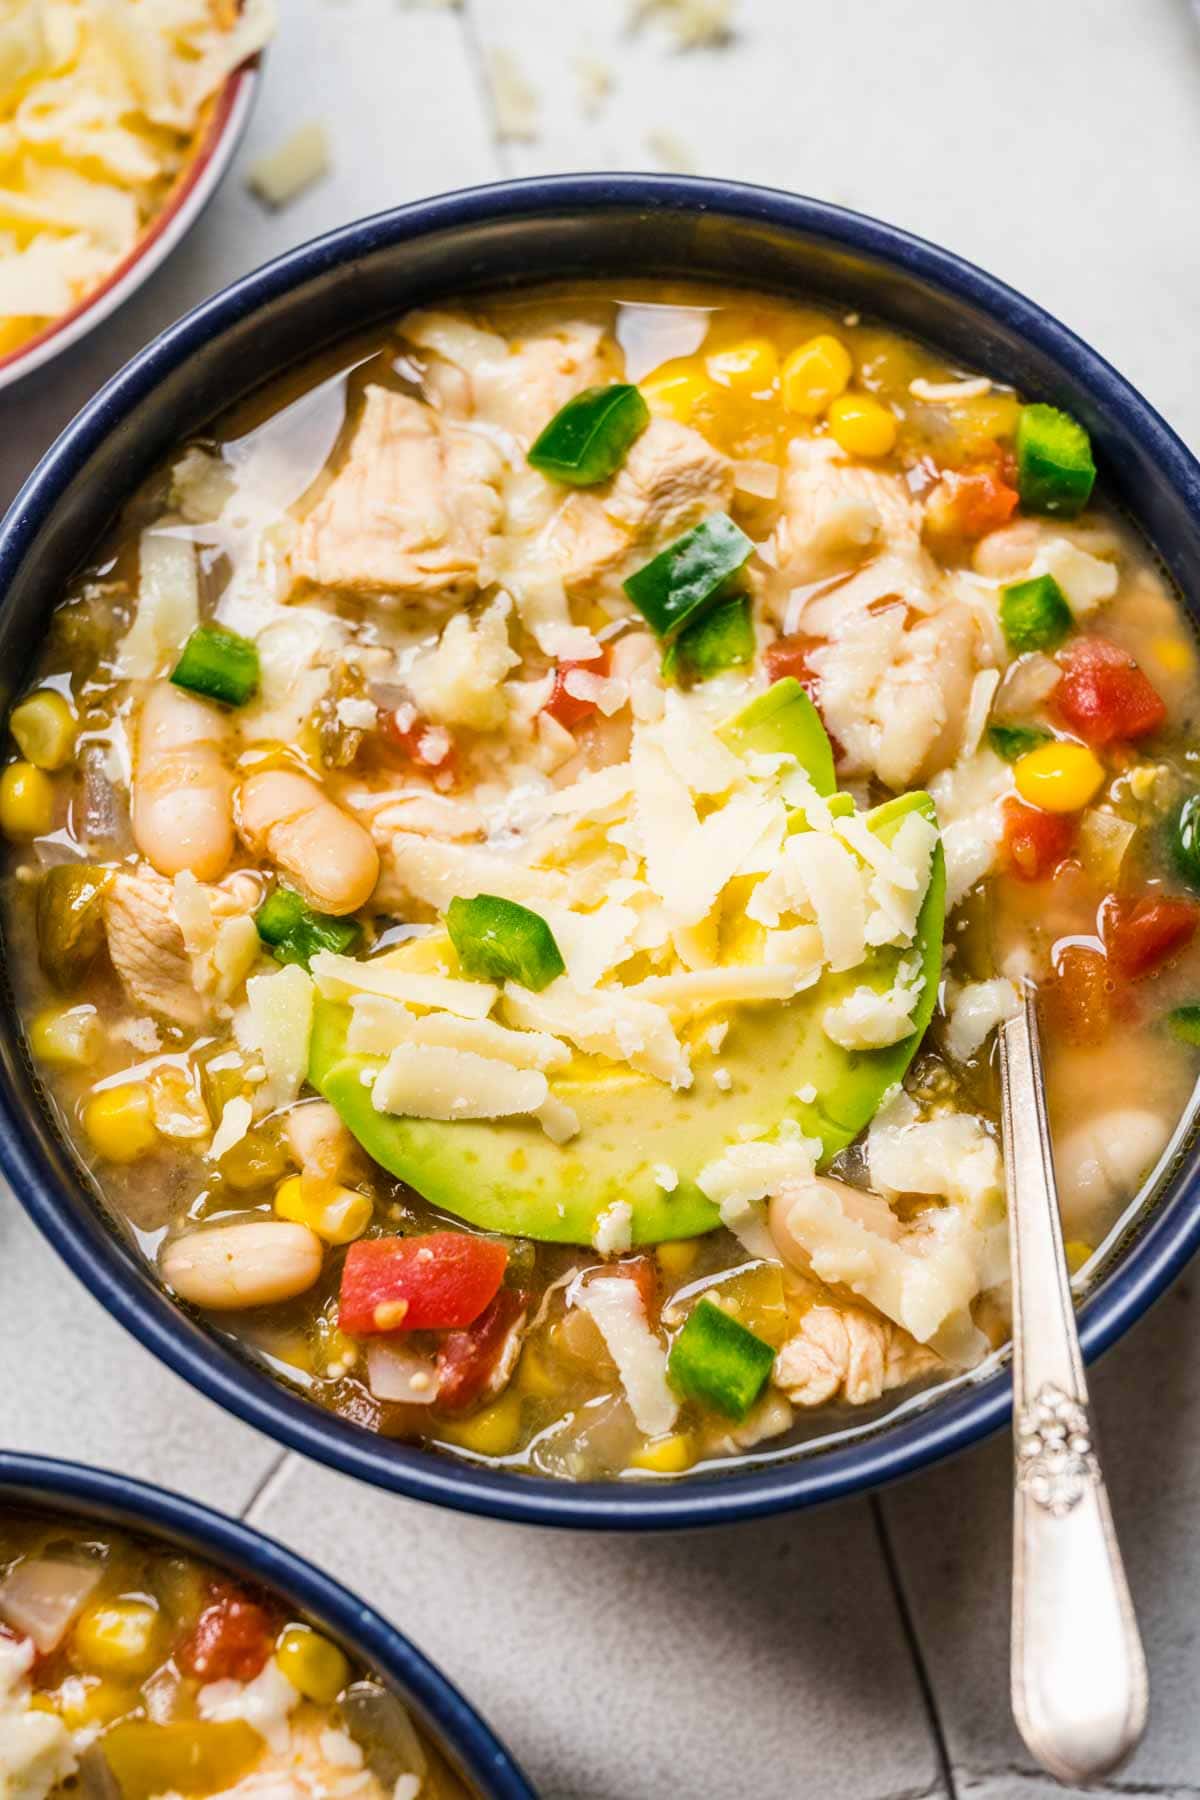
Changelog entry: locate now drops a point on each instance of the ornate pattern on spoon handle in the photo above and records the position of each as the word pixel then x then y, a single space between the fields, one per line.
pixel 1078 1673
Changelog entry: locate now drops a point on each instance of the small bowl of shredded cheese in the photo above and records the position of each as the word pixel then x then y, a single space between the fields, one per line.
pixel 118 119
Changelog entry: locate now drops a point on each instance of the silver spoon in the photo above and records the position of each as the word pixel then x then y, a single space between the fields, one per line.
pixel 1079 1692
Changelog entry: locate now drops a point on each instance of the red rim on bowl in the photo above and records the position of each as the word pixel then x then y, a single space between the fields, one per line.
pixel 198 182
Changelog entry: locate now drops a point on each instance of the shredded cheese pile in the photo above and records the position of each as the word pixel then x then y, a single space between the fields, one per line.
pixel 100 105
pixel 633 868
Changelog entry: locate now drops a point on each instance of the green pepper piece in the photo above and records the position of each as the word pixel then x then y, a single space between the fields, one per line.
pixel 718 1362
pixel 1184 834
pixel 1184 1023
pixel 1055 469
pixel 722 639
pixel 70 920
pixel 500 940
pixel 1034 614
pixel 1012 741
pixel 295 932
pixel 672 589
pixel 589 438
pixel 218 665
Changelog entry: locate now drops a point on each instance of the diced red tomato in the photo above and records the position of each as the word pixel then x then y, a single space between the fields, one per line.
pixel 1142 935
pixel 970 502
pixel 1036 841
pixel 440 1280
pixel 1103 695
pixel 572 709
pixel 429 746
pixel 230 1641
pixel 471 1359
pixel 1079 998
pixel 789 656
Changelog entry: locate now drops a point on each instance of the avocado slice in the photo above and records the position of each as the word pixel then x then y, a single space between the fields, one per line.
pixel 506 1175
pixel 785 719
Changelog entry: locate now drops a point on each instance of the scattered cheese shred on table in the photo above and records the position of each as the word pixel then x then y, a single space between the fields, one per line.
pixel 285 172
pixel 514 101
pixel 101 107
pixel 694 24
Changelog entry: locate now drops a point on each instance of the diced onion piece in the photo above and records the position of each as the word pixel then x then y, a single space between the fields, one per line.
pixel 400 1375
pixel 754 477
pixel 42 1598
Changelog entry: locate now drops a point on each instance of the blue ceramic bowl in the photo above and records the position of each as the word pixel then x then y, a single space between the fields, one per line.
pixel 75 1491
pixel 505 236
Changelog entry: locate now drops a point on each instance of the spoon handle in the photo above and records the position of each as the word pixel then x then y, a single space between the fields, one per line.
pixel 1079 1690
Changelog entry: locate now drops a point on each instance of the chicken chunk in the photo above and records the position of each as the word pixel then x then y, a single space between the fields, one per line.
pixel 895 693
pixel 411 510
pixel 836 512
pixel 146 943
pixel 671 479
pixel 849 1353
pixel 473 373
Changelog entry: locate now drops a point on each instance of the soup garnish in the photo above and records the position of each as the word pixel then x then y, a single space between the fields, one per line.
pixel 132 1672
pixel 524 834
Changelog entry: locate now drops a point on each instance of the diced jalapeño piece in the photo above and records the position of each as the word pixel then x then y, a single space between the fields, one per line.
pixel 1014 741
pixel 1034 614
pixel 589 438
pixel 500 940
pixel 1055 470
pixel 1184 832
pixel 295 932
pixel 717 1362
pixel 219 665
pixel 1184 1023
pixel 721 639
pixel 675 587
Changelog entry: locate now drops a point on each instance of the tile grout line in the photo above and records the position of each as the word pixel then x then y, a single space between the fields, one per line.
pixel 912 1640
pixel 277 1470
pixel 477 59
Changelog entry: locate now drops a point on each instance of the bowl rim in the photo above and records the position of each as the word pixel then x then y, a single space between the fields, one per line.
pixel 158 1512
pixel 905 1442
pixel 202 175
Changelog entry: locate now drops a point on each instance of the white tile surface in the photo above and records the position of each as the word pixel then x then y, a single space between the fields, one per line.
pixel 1058 145
pixel 75 1384
pixel 766 1662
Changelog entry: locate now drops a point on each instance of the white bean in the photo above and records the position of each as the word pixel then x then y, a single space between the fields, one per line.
pixel 1101 1162
pixel 182 788
pixel 329 855
pixel 227 1267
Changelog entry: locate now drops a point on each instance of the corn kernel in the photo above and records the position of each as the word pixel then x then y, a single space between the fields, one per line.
pixel 535 1375
pixel 664 1455
pixel 69 1037
pixel 862 426
pixel 496 1431
pixel 676 1258
pixel 677 393
pixel 312 1664
pixel 26 801
pixel 814 374
pixel 118 1637
pixel 1077 1253
pixel 1174 655
pixel 44 727
pixel 337 1214
pixel 748 367
pixel 120 1122
pixel 1060 778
